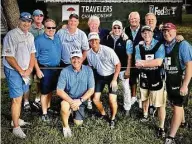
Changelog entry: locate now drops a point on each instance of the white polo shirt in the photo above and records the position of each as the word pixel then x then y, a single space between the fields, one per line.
pixel 104 61
pixel 72 42
pixel 20 46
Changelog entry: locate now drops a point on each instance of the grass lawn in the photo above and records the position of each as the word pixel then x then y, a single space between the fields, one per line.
pixel 94 131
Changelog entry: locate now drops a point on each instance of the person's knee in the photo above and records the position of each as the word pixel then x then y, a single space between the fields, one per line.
pixel 96 98
pixel 78 122
pixel 17 100
pixel 65 107
pixel 112 98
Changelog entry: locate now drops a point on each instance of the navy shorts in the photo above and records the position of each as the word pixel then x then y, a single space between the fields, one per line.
pixel 100 82
pixel 48 83
pixel 80 113
pixel 177 99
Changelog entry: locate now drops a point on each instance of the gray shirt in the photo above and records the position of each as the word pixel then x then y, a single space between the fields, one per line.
pixel 71 42
pixel 20 46
pixel 104 61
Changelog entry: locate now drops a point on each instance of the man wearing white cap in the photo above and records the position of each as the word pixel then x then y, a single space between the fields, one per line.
pixel 76 84
pixel 121 46
pixel 107 67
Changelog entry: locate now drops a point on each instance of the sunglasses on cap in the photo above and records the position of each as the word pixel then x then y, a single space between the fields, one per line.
pixel 73 15
pixel 116 27
pixel 50 27
pixel 75 52
pixel 39 15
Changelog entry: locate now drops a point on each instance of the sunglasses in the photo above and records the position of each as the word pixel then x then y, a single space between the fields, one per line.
pixel 50 27
pixel 116 27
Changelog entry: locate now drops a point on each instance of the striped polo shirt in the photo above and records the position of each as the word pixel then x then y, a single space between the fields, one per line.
pixel 20 46
pixel 72 42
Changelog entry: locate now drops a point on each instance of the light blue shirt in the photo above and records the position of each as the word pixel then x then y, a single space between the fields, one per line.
pixel 48 50
pixel 129 47
pixel 185 51
pixel 134 32
pixel 72 42
pixel 74 83
pixel 160 53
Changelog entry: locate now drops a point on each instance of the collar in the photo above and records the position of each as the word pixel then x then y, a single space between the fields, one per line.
pixel 46 36
pixel 21 32
pixel 171 44
pixel 35 26
pixel 82 67
pixel 153 42
pixel 99 51
pixel 137 29
pixel 75 33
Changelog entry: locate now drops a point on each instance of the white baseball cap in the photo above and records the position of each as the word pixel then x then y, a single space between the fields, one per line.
pixel 93 35
pixel 76 53
pixel 117 22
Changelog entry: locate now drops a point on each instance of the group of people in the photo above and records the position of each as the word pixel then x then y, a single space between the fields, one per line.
pixel 156 57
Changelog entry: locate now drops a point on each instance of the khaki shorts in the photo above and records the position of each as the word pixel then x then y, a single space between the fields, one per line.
pixel 157 98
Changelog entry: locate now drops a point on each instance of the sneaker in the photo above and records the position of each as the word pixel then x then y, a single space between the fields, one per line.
pixel 18 132
pixel 21 123
pixel 133 100
pixel 103 117
pixel 89 105
pixel 27 107
pixel 45 118
pixel 51 111
pixel 170 140
pixel 67 132
pixel 161 133
pixel 144 119
pixel 112 124
pixel 37 105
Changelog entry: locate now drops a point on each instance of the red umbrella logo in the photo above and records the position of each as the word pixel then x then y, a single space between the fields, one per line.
pixel 71 9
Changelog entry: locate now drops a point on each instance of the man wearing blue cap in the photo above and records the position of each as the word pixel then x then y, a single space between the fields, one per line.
pixel 18 60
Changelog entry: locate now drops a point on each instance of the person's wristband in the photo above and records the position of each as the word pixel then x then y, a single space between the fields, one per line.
pixel 30 69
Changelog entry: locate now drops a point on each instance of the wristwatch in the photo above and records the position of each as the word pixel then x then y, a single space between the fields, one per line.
pixel 82 100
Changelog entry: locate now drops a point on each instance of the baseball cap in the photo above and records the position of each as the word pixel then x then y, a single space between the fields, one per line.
pixel 25 16
pixel 37 12
pixel 76 53
pixel 93 35
pixel 146 27
pixel 117 22
pixel 73 15
pixel 168 26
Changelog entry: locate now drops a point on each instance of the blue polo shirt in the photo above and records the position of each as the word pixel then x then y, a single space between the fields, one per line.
pixel 74 83
pixel 48 50
pixel 185 51
pixel 160 53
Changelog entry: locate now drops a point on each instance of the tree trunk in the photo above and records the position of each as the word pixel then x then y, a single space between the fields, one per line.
pixel 12 13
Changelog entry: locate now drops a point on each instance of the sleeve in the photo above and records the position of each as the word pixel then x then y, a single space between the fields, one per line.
pixel 61 84
pixel 91 80
pixel 137 53
pixel 37 47
pixel 185 51
pixel 160 52
pixel 85 44
pixel 129 47
pixel 114 57
pixel 8 46
pixel 33 49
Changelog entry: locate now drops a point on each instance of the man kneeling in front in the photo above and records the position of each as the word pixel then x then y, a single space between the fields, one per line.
pixel 76 84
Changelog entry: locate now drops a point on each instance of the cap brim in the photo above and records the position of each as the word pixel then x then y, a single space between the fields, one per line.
pixel 25 19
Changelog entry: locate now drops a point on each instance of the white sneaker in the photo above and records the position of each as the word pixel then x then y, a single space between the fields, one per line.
pixel 21 123
pixel 133 100
pixel 67 132
pixel 18 132
pixel 89 105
